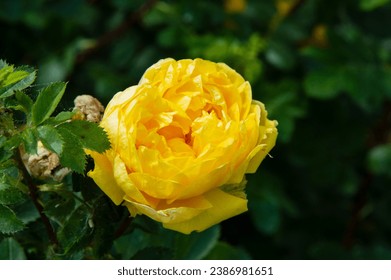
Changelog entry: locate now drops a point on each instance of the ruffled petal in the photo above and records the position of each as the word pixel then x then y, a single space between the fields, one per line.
pixel 177 212
pixel 224 206
pixel 104 177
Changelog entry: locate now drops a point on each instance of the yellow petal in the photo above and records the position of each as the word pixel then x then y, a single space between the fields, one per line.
pixel 122 179
pixel 224 206
pixel 177 213
pixel 154 186
pixel 104 177
pixel 262 150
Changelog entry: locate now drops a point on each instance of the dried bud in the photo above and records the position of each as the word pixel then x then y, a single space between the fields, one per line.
pixel 89 108
pixel 44 165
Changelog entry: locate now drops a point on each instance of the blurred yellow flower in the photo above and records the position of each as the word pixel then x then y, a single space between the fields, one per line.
pixel 182 141
pixel 285 6
pixel 235 6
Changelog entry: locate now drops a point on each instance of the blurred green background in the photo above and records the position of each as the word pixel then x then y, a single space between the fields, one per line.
pixel 322 68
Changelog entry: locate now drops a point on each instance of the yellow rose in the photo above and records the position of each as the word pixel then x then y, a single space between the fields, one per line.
pixel 182 141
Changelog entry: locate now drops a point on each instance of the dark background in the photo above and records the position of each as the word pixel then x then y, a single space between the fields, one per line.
pixel 322 68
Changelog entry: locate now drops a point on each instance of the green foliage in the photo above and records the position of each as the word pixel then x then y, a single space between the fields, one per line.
pixel 47 101
pixel 12 79
pixel 368 5
pixel 224 251
pixel 89 134
pixel 322 68
pixel 22 199
pixel 10 249
pixel 163 244
pixel 9 223
pixel 379 159
pixel 75 229
pixel 196 245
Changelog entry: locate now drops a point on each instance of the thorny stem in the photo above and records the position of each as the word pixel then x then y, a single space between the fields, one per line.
pixel 122 228
pixel 33 190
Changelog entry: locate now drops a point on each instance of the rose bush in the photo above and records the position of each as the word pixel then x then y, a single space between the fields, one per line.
pixel 182 141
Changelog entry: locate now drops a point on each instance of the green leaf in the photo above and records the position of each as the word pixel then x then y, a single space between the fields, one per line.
pixel 5 71
pixel 17 80
pixel 369 5
pixel 50 138
pixel 10 249
pixel 91 135
pixel 224 251
pixel 267 202
pixel 63 116
pixel 7 147
pixel 3 64
pixel 379 159
pixel 196 245
pixel 59 207
pixel 24 101
pixel 26 211
pixel 10 194
pixel 280 55
pixel 324 84
pixel 47 102
pixel 30 140
pixel 285 105
pixel 266 216
pixel 72 155
pixel 59 118
pixel 9 223
pixel 139 240
pixel 75 230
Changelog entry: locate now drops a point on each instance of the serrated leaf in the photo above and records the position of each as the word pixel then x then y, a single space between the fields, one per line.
pixel 24 101
pixel 91 135
pixel 50 138
pixel 30 140
pixel 7 147
pixel 10 249
pixel 72 155
pixel 12 142
pixel 17 80
pixel 4 72
pixel 9 223
pixel 10 194
pixel 47 102
pixel 196 245
pixel 59 118
pixel 63 116
pixel 59 208
pixel 76 229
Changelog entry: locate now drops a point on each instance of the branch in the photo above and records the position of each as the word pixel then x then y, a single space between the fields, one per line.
pixel 122 228
pixel 116 33
pixel 34 197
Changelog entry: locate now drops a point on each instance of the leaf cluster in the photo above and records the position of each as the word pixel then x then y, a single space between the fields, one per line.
pixel 24 123
pixel 322 68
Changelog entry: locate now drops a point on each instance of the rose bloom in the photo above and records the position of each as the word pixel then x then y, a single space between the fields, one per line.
pixel 182 141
